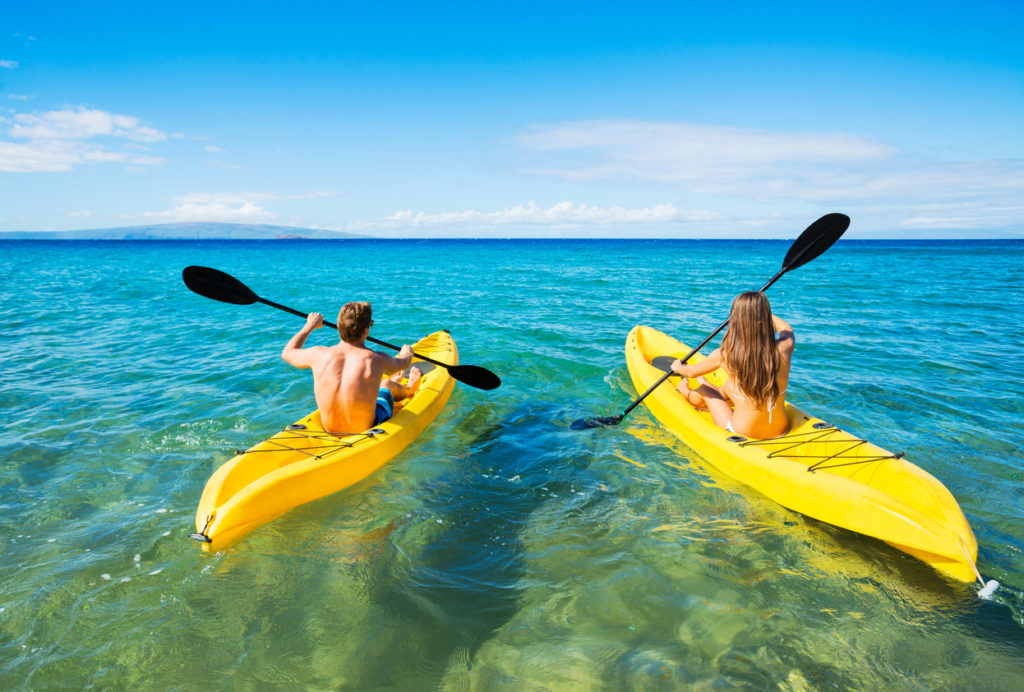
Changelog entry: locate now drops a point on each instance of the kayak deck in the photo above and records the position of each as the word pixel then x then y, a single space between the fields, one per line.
pixel 816 468
pixel 304 462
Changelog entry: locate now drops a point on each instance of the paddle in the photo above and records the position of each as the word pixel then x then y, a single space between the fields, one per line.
pixel 217 285
pixel 817 238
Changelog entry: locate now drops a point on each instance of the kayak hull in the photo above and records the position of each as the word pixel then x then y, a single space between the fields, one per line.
pixel 304 462
pixel 816 468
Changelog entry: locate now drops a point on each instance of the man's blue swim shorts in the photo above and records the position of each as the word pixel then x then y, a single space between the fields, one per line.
pixel 385 406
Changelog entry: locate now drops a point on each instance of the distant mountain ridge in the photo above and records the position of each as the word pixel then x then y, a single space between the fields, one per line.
pixel 184 231
pixel 239 231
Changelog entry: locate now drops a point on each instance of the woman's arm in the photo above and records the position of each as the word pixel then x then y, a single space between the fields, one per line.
pixel 787 338
pixel 709 364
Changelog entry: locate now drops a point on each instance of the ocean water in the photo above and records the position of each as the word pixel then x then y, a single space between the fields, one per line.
pixel 502 550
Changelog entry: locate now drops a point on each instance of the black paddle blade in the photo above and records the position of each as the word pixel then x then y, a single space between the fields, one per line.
pixel 818 237
pixel 599 422
pixel 211 283
pixel 475 376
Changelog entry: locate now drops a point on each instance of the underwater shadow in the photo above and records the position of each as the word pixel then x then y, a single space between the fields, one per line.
pixel 464 582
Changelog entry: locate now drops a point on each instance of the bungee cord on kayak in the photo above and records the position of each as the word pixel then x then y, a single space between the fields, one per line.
pixel 818 436
pixel 319 435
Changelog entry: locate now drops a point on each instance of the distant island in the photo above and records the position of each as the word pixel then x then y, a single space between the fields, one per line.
pixel 184 231
pixel 240 231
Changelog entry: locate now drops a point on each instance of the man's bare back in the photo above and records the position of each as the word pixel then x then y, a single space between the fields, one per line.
pixel 347 377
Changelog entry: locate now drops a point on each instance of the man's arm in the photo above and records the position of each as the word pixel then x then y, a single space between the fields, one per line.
pixel 293 352
pixel 399 362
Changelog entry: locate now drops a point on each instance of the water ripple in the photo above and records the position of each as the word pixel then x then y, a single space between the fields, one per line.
pixel 502 550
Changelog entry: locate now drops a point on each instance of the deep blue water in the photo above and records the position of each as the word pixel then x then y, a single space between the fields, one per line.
pixel 502 549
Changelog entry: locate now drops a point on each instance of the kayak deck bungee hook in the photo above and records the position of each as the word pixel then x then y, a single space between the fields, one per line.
pixel 334 439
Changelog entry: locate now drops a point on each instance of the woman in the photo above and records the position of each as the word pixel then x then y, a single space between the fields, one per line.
pixel 752 401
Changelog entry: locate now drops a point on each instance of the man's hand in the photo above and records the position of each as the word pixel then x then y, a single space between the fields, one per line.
pixel 314 321
pixel 404 358
pixel 293 352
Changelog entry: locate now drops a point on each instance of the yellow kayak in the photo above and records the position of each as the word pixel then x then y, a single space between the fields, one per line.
pixel 304 462
pixel 816 468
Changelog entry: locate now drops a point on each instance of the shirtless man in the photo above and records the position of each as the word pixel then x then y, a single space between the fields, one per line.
pixel 347 376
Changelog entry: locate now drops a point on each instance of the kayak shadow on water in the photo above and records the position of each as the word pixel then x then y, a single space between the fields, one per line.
pixel 456 575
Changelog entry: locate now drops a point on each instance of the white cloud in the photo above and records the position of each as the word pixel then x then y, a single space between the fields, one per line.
pixel 23 158
pixel 62 156
pixel 248 212
pixel 9 64
pixel 940 222
pixel 243 197
pixel 561 215
pixel 81 123
pixel 689 153
pixel 61 140
pixel 681 146
pixel 779 168
pixel 80 214
pixel 232 207
pixel 17 97
pixel 967 216
pixel 211 148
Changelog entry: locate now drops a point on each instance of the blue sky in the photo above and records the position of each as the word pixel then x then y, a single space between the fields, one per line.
pixel 522 119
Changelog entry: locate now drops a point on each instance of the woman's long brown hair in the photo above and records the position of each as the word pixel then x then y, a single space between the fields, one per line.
pixel 750 354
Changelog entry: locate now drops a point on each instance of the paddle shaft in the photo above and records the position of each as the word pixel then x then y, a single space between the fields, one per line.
pixel 334 326
pixel 702 344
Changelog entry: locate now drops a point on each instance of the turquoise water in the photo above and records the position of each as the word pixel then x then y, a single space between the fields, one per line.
pixel 502 550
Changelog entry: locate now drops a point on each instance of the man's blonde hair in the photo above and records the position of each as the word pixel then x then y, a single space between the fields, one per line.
pixel 353 321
